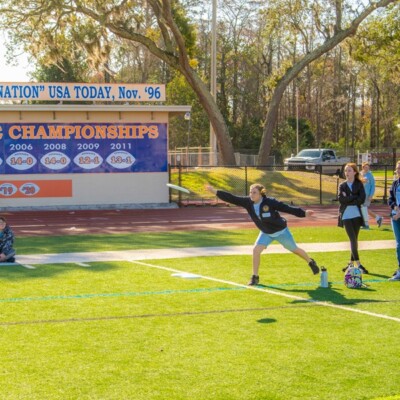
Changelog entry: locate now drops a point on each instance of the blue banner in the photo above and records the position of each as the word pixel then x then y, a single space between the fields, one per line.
pixel 41 148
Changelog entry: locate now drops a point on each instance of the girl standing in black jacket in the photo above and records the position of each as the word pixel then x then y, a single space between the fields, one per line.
pixel 351 197
pixel 264 211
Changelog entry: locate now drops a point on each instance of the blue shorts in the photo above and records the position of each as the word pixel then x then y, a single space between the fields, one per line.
pixel 285 238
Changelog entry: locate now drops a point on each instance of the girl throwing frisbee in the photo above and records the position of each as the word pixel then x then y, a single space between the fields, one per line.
pixel 264 211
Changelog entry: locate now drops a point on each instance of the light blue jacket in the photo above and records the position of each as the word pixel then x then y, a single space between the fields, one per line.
pixel 369 184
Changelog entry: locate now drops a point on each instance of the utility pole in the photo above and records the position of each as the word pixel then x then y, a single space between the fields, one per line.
pixel 213 80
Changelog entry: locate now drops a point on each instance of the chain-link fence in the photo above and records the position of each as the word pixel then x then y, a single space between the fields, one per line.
pixel 295 187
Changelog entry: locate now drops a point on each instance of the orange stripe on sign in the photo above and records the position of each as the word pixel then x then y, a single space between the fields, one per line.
pixel 35 188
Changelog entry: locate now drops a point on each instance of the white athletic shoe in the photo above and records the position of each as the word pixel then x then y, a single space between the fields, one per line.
pixel 396 276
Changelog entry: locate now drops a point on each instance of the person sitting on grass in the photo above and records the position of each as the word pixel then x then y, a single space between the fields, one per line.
pixel 7 251
pixel 264 211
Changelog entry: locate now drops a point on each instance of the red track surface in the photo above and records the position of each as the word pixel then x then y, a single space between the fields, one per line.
pixel 45 223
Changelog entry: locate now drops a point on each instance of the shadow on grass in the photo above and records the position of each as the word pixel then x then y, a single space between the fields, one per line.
pixel 377 275
pixel 331 295
pixel 19 273
pixel 266 320
pixel 135 241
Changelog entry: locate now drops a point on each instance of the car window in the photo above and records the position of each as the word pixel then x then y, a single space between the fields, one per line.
pixel 309 153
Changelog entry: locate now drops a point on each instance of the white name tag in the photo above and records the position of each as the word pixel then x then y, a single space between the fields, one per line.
pixel 266 215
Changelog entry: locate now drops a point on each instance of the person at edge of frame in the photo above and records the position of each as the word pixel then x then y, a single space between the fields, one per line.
pixel 394 204
pixel 7 251
pixel 264 211
pixel 351 195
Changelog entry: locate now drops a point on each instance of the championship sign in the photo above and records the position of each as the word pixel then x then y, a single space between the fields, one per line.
pixel 82 92
pixel 40 148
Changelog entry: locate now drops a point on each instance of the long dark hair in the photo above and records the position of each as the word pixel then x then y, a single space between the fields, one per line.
pixel 355 169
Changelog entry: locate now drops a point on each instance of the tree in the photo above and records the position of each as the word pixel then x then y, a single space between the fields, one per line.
pixel 377 51
pixel 333 29
pixel 65 71
pixel 172 41
pixel 192 132
pixel 259 59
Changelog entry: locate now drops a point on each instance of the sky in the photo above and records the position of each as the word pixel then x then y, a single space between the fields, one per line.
pixel 18 71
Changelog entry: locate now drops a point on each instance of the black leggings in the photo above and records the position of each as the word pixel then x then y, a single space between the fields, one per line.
pixel 352 227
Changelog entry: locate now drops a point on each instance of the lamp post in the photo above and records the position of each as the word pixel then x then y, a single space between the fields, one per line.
pixel 213 80
pixel 189 119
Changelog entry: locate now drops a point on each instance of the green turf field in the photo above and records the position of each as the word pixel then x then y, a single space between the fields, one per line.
pixel 132 330
pixel 179 239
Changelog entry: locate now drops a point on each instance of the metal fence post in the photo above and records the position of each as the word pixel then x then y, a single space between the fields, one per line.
pixel 320 184
pixel 386 185
pixel 169 181
pixel 180 183
pixel 245 180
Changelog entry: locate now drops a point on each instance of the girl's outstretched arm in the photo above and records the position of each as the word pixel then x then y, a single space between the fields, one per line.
pixel 210 188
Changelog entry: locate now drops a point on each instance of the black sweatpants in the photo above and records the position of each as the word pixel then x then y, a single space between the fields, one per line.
pixel 352 227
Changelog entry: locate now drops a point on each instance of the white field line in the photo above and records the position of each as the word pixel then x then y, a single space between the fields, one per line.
pixel 260 289
pixel 27 266
pixel 81 264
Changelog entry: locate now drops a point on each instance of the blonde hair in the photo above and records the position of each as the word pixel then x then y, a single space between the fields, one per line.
pixel 260 188
pixel 364 164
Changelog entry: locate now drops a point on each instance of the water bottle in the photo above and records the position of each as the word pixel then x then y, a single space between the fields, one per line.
pixel 324 278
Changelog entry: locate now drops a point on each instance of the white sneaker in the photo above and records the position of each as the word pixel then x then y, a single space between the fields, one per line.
pixel 396 276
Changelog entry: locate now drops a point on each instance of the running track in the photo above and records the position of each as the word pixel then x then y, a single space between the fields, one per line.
pixel 45 223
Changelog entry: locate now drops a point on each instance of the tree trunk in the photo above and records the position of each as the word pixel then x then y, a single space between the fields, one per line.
pixel 272 117
pixel 214 114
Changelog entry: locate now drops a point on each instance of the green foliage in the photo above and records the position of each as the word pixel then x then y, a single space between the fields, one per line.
pixel 285 141
pixel 378 42
pixel 65 71
pixel 184 133
pixel 248 135
pixel 330 145
pixel 185 26
pixel 306 136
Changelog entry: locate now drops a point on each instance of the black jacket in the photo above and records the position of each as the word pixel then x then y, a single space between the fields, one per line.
pixel 269 221
pixel 354 197
pixel 392 194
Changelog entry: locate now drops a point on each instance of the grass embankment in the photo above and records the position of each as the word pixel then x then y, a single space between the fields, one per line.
pixel 296 186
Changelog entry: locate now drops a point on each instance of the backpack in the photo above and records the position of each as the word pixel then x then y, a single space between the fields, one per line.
pixel 353 278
